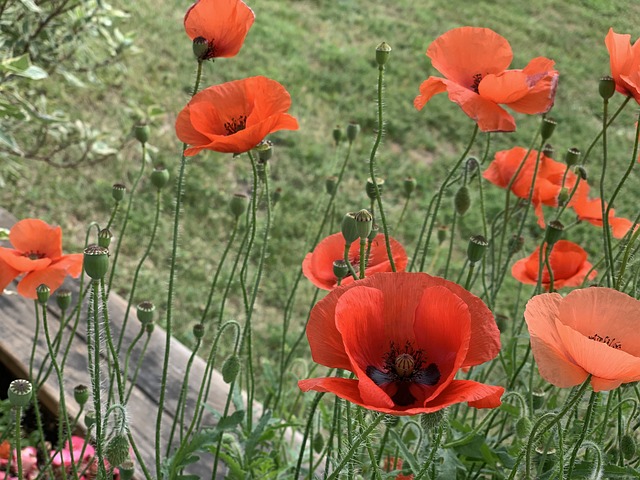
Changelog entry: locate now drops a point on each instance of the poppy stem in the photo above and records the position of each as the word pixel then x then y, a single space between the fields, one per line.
pixel 352 272
pixel 363 248
pixel 18 421
pixel 585 428
pixel 432 454
pixel 606 233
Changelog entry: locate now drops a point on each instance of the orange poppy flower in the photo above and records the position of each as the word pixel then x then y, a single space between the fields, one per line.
pixel 38 255
pixel 404 336
pixel 590 331
pixel 624 59
pixel 235 116
pixel 548 179
pixel 568 263
pixel 591 211
pixel 474 61
pixel 317 266
pixel 395 463
pixel 222 23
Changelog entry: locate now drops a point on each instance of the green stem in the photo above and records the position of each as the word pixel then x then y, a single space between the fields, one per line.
pixel 363 246
pixel 583 434
pixel 305 437
pixel 18 420
pixel 606 233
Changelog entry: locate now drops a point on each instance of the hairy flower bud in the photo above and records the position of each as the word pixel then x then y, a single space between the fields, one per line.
pixel 462 200
pixel 349 228
pixel 230 369
pixel 117 450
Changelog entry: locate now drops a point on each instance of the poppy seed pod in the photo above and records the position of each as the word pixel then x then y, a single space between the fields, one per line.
pixel 462 200
pixel 548 126
pixel 117 191
pixel 265 150
pixel 606 87
pixel 337 135
pixel 149 327
pixel 230 369
pixel 20 392
pixel 349 228
pixel 238 204
pixel 429 421
pixel 117 450
pixel 126 470
pixel 90 419
pixel 582 172
pixel 553 232
pixel 371 188
pixel 375 230
pixel 43 292
pixel 104 238
pixel 200 48
pixel 538 398
pixel 409 185
pixel 352 131
pixel 340 269
pixel 383 51
pixel 63 298
pixel 364 223
pixel 572 157
pixel 563 197
pixel 144 311
pixel 442 234
pixel 141 132
pixel 330 184
pixel 548 150
pixel 472 165
pixel 159 177
pixel 198 330
pixel 476 248
pixel 96 261
pixel 81 394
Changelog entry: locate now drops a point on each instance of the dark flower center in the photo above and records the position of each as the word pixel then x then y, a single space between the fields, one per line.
pixel 235 125
pixel 403 367
pixel 477 78
pixel 34 255
pixel 607 340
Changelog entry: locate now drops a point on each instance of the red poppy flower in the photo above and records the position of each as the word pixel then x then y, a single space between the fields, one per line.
pixel 568 263
pixel 222 23
pixel 235 116
pixel 394 463
pixel 591 211
pixel 474 61
pixel 590 331
pixel 548 179
pixel 37 254
pixel 624 59
pixel 318 265
pixel 404 336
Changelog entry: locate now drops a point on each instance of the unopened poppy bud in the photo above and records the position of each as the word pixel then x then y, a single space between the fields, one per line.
pixel 337 135
pixel 442 234
pixel 238 204
pixel 89 419
pixel 563 197
pixel 276 195
pixel 409 185
pixel 104 238
pixel 548 126
pixel 548 150
pixel 230 368
pixel 382 53
pixel 200 48
pixel 375 229
pixel 126 469
pixel 607 87
pixel 429 421
pixel 145 311
pixel 20 392
pixel 141 132
pixel 572 157
pixel 117 450
pixel 198 330
pixel 476 248
pixel 81 394
pixel 159 177
pixel 364 223
pixel 462 200
pixel 265 150
pixel 149 327
pixel 516 243
pixel 330 184
pixel 582 172
pixel 352 131
pixel 96 261
pixel 117 191
pixel 63 298
pixel 318 443
pixel 371 188
pixel 553 232
pixel 523 427
pixel 349 228
pixel 43 292
pixel 628 446
pixel 340 269
pixel 538 398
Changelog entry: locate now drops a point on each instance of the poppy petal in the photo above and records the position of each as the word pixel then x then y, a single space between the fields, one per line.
pixel 72 263
pixel 32 235
pixel 489 116
pixel 477 395
pixel 7 274
pixel 17 260
pixel 504 87
pixel 52 277
pixel 430 87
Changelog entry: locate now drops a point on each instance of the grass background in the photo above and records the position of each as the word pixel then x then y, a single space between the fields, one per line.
pixel 323 52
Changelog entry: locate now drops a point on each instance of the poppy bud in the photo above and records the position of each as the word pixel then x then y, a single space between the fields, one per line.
pixel 81 394
pixel 198 330
pixel 276 195
pixel 371 188
pixel 581 171
pixel 515 244
pixel 149 327
pixel 364 223
pixel 548 150
pixel 330 184
pixel 607 87
pixel 375 229
pixel 63 298
pixel 96 261
pixel 442 234
pixel 548 126
pixel 523 427
pixel 318 443
pixel 90 419
pixel 141 133
pixel 382 53
pixel 409 185
pixel 563 197
pixel 159 177
pixel 20 392
pixel 144 311
pixel 476 248
pixel 43 293
pixel 337 135
pixel 104 238
pixel 230 369
pixel 200 48
pixel 572 157
pixel 628 446
pixel 340 269
pixel 430 421
pixel 462 200
pixel 265 150
pixel 117 450
pixel 349 229
pixel 352 131
pixel 553 232
pixel 238 204
pixel 117 191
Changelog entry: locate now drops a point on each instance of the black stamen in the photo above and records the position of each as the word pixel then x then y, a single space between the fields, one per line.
pixel 234 125
pixel 477 78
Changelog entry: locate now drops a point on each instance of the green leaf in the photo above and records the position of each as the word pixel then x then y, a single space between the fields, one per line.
pixel 231 421
pixel 255 436
pixel 7 140
pixel 101 148
pixel 29 4
pixel 22 67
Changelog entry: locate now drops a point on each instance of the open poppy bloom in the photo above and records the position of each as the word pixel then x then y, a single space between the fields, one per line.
pixel 77 445
pixel 37 254
pixel 234 117
pixel 404 336
pixel 568 263
pixel 548 182
pixel 222 23
pixel 590 331
pixel 474 62
pixel 318 265
pixel 624 59
pixel 591 211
